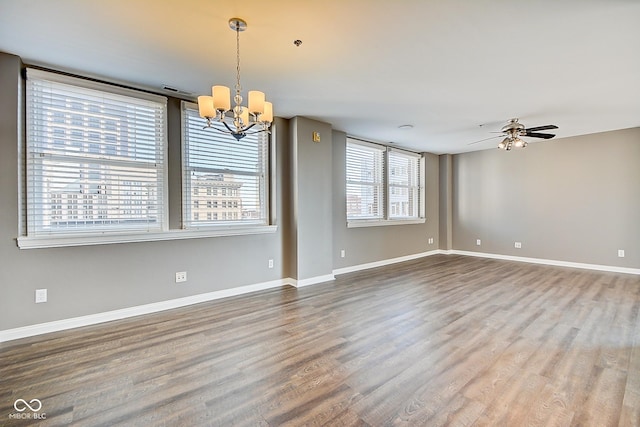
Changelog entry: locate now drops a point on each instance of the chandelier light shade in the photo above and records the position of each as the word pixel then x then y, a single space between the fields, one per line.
pixel 256 117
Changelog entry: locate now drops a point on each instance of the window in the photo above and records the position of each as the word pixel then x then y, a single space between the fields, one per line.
pixel 365 171
pixel 403 184
pixel 85 178
pixel 215 160
pixel 384 185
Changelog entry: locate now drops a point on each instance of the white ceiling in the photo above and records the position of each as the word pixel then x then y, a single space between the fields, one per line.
pixel 454 69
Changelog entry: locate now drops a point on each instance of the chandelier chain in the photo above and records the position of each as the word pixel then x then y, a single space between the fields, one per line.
pixel 238 87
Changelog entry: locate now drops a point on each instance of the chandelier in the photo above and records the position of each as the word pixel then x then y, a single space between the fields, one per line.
pixel 254 118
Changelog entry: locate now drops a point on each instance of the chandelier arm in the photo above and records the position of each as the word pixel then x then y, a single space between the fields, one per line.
pixel 227 126
pixel 259 131
pixel 248 127
pixel 237 135
pixel 221 130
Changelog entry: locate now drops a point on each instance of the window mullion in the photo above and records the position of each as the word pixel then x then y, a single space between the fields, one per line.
pixel 386 184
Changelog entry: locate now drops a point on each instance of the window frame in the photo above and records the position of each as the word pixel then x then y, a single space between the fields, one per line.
pixel 238 227
pixel 376 183
pixel 416 187
pixel 387 219
pixel 30 237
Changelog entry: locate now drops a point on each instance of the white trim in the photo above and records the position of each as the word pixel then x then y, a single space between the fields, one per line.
pixel 290 282
pixel 310 281
pixel 403 151
pixel 38 242
pixel 357 223
pixel 368 144
pixel 108 316
pixel 385 262
pixel 92 319
pixel 422 189
pixel 263 143
pixel 34 73
pixel 598 267
pixel 39 84
pixel 313 280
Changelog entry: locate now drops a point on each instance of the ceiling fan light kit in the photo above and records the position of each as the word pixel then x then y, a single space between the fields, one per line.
pixel 257 116
pixel 509 142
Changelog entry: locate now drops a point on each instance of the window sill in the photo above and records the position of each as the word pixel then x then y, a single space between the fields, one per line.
pixel 25 242
pixel 379 223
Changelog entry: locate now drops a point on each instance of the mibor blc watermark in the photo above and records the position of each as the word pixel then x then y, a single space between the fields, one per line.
pixel 23 407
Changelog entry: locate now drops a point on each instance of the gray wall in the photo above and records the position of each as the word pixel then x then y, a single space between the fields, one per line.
pixel 9 142
pixel 369 244
pixel 446 202
pixel 573 199
pixel 311 198
pixel 283 212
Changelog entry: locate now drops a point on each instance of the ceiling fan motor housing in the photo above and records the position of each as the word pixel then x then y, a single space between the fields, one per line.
pixel 512 127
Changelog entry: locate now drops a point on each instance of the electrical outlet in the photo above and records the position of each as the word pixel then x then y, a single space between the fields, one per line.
pixel 343 253
pixel 41 295
pixel 270 263
pixel 181 276
pixel 478 242
pixel 621 253
pixel 431 240
pixel 518 245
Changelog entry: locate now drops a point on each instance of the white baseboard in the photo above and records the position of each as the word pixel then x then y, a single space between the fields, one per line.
pixel 310 281
pixel 598 267
pixel 384 262
pixel 92 319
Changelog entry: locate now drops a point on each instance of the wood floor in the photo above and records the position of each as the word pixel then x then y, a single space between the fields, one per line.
pixel 444 340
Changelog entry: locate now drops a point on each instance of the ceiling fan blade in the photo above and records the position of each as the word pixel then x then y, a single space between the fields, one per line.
pixel 547 127
pixel 486 139
pixel 539 135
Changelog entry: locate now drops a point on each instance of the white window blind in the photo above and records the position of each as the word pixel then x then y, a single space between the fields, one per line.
pixel 365 180
pixel 95 157
pixel 404 184
pixel 225 181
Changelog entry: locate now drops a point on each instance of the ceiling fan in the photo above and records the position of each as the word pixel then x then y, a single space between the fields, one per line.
pixel 514 130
